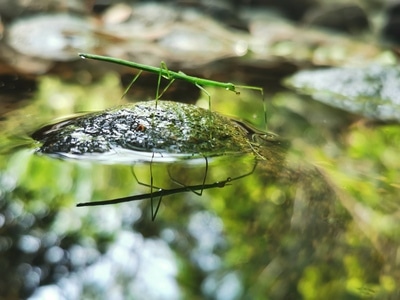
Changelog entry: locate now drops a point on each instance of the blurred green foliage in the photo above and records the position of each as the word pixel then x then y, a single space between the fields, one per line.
pixel 316 220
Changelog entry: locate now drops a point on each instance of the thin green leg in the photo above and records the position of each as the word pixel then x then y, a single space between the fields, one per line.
pixel 131 83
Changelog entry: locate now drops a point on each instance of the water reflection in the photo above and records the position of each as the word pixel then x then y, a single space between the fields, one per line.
pixel 289 230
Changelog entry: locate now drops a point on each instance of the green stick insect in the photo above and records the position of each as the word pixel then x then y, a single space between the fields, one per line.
pixel 171 76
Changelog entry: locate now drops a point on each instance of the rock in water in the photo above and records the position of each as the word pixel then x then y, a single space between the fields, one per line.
pixel 371 91
pixel 162 129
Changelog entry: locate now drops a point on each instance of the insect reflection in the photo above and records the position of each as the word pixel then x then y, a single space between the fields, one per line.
pixel 162 192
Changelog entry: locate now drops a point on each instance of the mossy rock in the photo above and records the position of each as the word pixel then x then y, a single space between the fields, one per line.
pixel 160 128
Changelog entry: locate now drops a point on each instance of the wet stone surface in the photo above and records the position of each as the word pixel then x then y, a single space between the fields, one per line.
pixel 371 91
pixel 170 127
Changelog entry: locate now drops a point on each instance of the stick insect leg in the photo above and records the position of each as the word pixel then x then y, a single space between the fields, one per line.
pixel 169 77
pixel 131 83
pixel 207 94
pixel 210 115
pixel 188 187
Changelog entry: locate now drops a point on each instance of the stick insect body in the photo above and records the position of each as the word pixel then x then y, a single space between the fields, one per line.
pixel 168 74
pixel 171 75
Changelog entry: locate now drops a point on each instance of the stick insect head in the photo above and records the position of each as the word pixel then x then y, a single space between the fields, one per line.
pixel 232 87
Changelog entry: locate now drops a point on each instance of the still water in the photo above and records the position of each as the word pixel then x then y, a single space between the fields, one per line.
pixel 316 218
